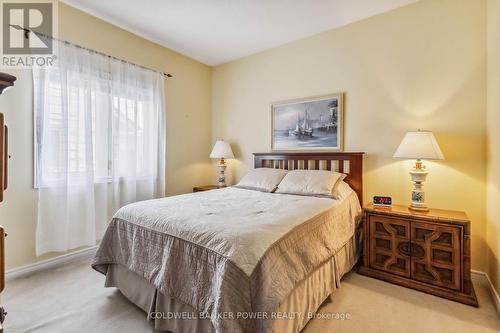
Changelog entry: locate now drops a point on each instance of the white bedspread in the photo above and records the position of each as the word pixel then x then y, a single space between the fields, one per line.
pixel 229 250
pixel 238 223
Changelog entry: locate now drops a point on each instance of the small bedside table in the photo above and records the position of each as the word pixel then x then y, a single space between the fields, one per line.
pixel 429 251
pixel 205 188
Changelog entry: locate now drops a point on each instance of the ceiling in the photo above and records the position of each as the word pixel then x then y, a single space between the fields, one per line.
pixel 218 31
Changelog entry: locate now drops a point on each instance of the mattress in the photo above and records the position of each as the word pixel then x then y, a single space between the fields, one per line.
pixel 230 250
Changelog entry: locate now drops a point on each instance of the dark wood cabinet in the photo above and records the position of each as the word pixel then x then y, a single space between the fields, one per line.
pixel 6 81
pixel 429 251
pixel 389 236
pixel 205 188
pixel 4 156
pixel 435 256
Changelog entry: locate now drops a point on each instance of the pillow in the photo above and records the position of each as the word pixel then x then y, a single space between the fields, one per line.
pixel 341 190
pixel 262 179
pixel 310 182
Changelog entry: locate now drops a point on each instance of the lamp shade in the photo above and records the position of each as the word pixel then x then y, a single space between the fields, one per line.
pixel 419 145
pixel 221 149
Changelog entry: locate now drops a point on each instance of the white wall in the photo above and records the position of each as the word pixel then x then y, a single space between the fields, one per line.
pixel 188 116
pixel 493 161
pixel 419 66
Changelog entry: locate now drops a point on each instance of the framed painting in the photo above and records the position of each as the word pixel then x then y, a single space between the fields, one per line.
pixel 309 124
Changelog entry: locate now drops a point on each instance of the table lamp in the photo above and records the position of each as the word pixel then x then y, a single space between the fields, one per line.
pixel 420 145
pixel 222 150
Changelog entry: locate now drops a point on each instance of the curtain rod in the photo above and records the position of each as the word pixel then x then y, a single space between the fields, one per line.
pixel 39 34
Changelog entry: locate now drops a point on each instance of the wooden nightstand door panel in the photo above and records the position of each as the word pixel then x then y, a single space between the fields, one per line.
pixel 390 245
pixel 435 254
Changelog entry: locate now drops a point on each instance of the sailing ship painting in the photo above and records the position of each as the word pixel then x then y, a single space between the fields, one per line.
pixel 308 124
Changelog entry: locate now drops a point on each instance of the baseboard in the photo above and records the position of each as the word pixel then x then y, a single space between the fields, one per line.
pixel 50 263
pixel 493 293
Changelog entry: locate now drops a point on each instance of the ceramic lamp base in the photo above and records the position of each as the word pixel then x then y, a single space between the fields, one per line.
pixel 221 180
pixel 417 194
pixel 419 209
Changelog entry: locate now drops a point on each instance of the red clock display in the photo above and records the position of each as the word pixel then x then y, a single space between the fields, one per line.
pixel 382 201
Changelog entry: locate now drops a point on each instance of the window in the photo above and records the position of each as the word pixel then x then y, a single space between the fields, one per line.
pixel 77 129
pixel 99 143
pixel 86 127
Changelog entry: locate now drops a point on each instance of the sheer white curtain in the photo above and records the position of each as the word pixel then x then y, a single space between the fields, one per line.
pixel 99 140
pixel 137 133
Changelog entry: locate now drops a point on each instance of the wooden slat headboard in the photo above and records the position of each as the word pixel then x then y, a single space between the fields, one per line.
pixel 348 163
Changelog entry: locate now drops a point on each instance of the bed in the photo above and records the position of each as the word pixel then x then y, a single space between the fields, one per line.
pixel 236 260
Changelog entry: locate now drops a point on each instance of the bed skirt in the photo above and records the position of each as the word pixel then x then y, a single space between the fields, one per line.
pixel 292 314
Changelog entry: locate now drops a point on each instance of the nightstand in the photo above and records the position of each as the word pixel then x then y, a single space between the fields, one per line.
pixel 428 251
pixel 205 188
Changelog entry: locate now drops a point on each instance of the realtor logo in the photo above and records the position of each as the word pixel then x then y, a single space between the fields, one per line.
pixel 28 28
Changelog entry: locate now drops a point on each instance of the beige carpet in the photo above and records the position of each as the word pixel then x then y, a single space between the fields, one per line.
pixel 72 299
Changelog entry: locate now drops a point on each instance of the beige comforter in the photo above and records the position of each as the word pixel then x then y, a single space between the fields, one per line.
pixel 228 253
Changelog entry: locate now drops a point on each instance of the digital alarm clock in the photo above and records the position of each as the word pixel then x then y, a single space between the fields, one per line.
pixel 380 201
